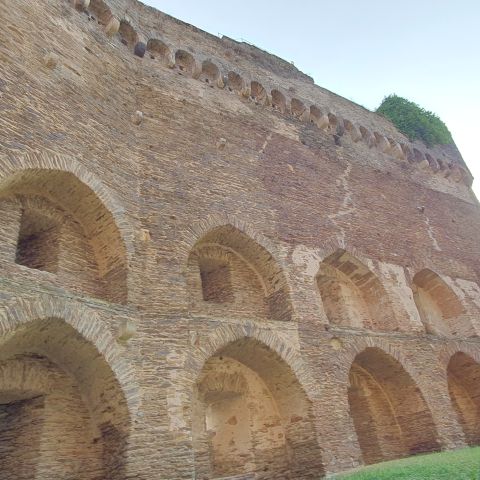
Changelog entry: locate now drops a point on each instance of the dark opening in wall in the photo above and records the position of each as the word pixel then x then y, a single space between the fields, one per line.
pixel 216 280
pixel 38 242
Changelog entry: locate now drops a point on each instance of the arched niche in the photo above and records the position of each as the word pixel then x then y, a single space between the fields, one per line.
pixel 352 295
pixel 279 101
pixel 128 35
pixel 185 63
pixel 210 73
pixel 390 415
pixel 251 416
pixel 258 94
pixel 298 108
pixel 159 50
pixel 235 82
pixel 463 375
pixel 56 223
pixel 101 11
pixel 63 413
pixel 230 273
pixel 438 305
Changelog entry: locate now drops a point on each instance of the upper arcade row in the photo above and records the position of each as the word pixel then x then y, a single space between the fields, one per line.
pixel 379 135
pixel 66 230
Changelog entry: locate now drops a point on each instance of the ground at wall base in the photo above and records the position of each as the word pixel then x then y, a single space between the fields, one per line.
pixel 457 465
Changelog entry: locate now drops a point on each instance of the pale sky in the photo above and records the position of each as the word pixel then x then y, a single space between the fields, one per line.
pixel 427 51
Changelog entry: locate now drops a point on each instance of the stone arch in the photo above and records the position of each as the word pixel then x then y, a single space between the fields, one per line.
pixel 438 305
pixel 352 294
pixel 158 49
pixel 128 34
pixel 185 63
pixel 352 129
pixel 275 437
pixel 333 122
pixel 390 415
pixel 367 136
pixel 231 271
pixel 101 11
pixel 227 334
pixel 210 74
pixel 62 379
pixel 68 187
pixel 463 374
pixel 235 82
pixel 318 118
pixel 298 108
pixel 279 101
pixel 258 93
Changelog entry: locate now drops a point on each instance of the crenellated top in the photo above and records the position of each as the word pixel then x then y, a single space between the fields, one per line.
pixel 269 85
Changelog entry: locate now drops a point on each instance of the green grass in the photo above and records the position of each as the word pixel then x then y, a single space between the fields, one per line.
pixel 457 465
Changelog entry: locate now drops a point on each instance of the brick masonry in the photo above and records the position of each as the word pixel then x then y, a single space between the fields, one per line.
pixel 213 268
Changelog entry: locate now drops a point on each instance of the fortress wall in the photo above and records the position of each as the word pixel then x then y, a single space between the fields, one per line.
pixel 178 181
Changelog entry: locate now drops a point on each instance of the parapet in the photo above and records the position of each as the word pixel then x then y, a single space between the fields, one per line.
pixel 267 81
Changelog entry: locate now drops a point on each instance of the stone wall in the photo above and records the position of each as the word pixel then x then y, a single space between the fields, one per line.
pixel 213 268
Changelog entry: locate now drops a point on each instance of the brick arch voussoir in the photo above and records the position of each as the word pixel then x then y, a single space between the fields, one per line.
pixel 11 165
pixel 331 246
pixel 417 265
pixel 200 228
pixel 449 350
pixel 359 345
pixel 221 337
pixel 85 321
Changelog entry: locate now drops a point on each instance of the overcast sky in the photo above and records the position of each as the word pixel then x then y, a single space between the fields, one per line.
pixel 427 51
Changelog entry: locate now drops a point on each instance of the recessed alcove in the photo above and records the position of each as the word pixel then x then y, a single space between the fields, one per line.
pixel 352 295
pixel 216 280
pixel 38 241
pixel 391 418
pixel 55 223
pixel 438 306
pixel 231 274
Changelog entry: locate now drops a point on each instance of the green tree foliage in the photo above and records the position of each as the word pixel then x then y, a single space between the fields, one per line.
pixel 414 121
